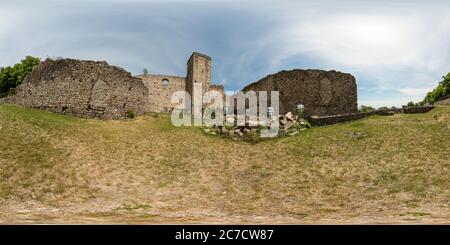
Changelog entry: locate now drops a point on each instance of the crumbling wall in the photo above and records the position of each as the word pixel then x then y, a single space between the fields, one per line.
pixel 83 88
pixel 445 100
pixel 341 118
pixel 218 88
pixel 322 93
pixel 161 88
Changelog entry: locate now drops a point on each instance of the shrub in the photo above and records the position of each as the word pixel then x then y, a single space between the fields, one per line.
pixel 130 114
pixel 364 108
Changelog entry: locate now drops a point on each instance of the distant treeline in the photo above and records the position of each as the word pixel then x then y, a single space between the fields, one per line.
pixel 11 77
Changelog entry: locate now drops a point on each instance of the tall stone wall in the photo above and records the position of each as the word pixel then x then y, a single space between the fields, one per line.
pixel 83 88
pixel 161 88
pixel 322 93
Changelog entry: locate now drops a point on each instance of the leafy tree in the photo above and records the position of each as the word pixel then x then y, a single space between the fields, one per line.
pixel 383 108
pixel 364 108
pixel 441 90
pixel 145 71
pixel 410 103
pixel 11 77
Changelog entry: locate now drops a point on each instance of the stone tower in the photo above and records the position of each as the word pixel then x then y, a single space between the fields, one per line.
pixel 198 72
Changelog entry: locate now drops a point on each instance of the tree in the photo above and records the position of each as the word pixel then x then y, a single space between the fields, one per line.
pixel 441 90
pixel 12 77
pixel 145 71
pixel 364 108
pixel 410 103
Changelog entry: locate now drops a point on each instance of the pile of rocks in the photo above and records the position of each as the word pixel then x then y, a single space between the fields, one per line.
pixel 292 125
pixel 288 125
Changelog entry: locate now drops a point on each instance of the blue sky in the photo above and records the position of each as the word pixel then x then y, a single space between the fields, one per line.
pixel 397 51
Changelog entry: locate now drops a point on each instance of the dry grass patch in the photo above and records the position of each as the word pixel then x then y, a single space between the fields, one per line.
pixel 370 169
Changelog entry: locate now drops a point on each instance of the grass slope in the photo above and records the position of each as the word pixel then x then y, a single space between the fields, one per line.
pixel 57 168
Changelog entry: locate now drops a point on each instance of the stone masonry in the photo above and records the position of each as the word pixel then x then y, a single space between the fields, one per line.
pixel 322 93
pixel 83 88
pixel 96 89
pixel 161 87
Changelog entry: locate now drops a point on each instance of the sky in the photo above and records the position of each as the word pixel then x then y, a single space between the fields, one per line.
pixel 397 51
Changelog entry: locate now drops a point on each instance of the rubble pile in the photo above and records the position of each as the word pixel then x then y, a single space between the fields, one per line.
pixel 288 125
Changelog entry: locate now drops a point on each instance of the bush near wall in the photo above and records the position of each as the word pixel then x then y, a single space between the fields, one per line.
pixel 12 77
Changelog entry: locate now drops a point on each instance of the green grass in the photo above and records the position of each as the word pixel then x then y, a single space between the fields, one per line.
pixel 382 166
pixel 31 165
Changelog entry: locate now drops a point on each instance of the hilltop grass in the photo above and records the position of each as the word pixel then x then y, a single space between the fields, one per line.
pixel 145 169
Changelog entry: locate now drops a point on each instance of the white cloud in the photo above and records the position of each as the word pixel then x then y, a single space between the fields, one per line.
pixel 366 39
pixel 394 49
pixel 359 40
pixel 389 102
pixel 415 91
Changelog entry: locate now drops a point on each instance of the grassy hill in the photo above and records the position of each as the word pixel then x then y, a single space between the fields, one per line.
pixel 57 168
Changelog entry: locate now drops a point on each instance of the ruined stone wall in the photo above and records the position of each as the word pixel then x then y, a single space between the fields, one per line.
pixel 161 88
pixel 341 118
pixel 7 100
pixel 83 88
pixel 445 100
pixel 416 109
pixel 321 92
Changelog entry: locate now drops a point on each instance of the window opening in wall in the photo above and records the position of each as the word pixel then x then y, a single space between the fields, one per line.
pixel 165 82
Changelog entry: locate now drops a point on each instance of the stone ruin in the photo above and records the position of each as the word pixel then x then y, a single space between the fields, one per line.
pixel 288 125
pixel 341 118
pixel 161 87
pixel 445 100
pixel 322 93
pixel 82 88
pixel 97 90
pixel 94 89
